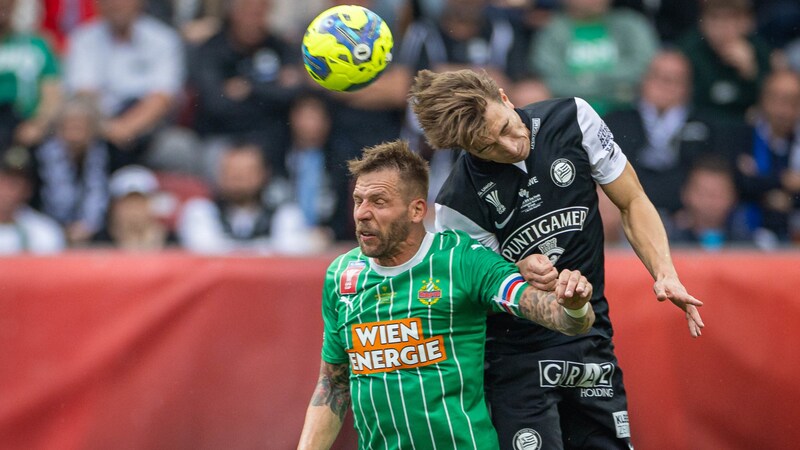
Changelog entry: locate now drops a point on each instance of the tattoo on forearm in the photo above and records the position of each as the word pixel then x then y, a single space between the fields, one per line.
pixel 542 308
pixel 333 389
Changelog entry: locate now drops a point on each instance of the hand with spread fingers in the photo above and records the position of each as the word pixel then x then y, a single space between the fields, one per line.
pixel 670 288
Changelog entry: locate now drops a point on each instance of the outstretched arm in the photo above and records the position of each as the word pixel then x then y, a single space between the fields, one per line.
pixel 646 234
pixel 328 406
pixel 566 309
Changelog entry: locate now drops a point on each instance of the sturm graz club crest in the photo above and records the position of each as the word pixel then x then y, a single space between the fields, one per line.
pixel 562 172
pixel 527 439
pixel 551 249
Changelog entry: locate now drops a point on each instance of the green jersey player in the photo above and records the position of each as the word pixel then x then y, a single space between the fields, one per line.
pixel 405 319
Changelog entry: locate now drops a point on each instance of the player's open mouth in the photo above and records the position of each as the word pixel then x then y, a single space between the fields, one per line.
pixel 365 235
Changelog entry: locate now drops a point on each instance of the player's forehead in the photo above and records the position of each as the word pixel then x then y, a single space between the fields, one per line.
pixel 384 182
pixel 496 121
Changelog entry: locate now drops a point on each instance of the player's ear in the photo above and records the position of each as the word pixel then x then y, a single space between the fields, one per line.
pixel 505 98
pixel 418 209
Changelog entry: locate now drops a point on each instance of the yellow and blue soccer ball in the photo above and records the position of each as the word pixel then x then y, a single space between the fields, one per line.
pixel 347 47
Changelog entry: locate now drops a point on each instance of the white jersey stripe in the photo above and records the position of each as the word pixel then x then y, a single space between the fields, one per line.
pixel 455 356
pixel 386 381
pixel 438 367
pixel 419 373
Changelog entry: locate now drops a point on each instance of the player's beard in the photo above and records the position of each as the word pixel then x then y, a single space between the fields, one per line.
pixel 386 243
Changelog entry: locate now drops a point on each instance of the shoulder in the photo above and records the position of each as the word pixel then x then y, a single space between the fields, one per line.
pixel 45 233
pixel 352 258
pixel 551 106
pixel 454 239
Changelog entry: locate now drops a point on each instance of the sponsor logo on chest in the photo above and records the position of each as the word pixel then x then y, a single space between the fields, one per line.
pixel 539 230
pixel 393 345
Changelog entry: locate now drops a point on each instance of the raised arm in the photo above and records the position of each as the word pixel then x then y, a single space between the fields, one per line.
pixel 648 238
pixel 566 309
pixel 328 406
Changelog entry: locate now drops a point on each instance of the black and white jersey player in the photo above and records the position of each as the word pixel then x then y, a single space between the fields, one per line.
pixel 544 204
pixel 548 390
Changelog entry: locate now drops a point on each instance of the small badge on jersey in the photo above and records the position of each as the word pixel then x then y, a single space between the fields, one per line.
pixel 562 172
pixel 429 293
pixel 527 439
pixel 347 282
pixel 621 424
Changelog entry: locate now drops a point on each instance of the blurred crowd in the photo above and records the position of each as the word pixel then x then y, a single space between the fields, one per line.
pixel 148 124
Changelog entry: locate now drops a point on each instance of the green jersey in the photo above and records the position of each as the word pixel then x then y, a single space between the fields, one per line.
pixel 25 60
pixel 413 336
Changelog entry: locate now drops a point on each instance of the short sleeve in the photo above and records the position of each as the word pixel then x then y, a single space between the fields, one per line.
pixel 605 156
pixel 333 349
pixel 496 283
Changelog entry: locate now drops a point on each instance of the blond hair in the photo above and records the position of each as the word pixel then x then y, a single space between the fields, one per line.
pixel 451 107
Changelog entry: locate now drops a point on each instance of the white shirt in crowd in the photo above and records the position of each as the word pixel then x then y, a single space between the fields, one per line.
pixel 151 62
pixel 31 232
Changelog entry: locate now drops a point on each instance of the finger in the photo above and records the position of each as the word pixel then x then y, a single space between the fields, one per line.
pixel 572 283
pixel 586 291
pixel 561 284
pixel 693 330
pixel 694 314
pixel 689 300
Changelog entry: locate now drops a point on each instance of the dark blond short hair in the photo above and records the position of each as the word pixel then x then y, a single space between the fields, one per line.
pixel 395 155
pixel 451 107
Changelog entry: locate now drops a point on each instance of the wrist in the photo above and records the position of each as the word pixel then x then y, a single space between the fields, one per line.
pixel 577 313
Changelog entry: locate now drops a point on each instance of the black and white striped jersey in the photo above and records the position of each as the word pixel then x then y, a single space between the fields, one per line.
pixel 545 204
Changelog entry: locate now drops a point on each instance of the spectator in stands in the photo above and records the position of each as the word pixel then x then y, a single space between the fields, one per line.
pixel 462 37
pixel 23 229
pixel 133 222
pixel 310 124
pixel 663 132
pixel 241 216
pixel 72 170
pixel 595 52
pixel 197 20
pixel 768 165
pixel 132 64
pixel 709 202
pixel 729 62
pixel 245 78
pixel 30 88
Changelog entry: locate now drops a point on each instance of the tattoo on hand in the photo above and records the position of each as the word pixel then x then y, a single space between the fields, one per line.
pixel 543 308
pixel 333 388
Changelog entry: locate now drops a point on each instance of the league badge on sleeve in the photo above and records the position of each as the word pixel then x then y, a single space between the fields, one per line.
pixel 347 282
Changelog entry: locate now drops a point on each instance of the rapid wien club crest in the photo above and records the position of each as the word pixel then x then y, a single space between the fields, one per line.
pixel 429 293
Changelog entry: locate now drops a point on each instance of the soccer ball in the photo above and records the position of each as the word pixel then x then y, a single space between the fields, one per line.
pixel 347 47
